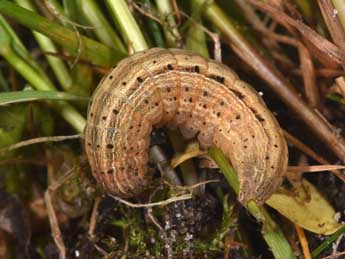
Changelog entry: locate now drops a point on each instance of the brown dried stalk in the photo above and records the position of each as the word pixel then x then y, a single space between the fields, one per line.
pixel 278 83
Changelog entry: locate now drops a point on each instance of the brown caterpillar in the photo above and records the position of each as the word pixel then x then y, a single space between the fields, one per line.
pixel 177 88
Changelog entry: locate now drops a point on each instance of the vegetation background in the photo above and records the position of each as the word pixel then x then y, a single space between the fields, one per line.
pixel 53 54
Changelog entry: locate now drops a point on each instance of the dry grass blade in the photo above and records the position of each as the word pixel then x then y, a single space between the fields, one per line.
pixel 308 71
pixel 303 241
pixel 323 72
pixel 289 95
pixel 334 255
pixel 306 64
pixel 314 168
pixel 340 86
pixel 38 140
pixel 94 216
pixel 298 144
pixel 333 24
pixel 325 51
pixel 277 82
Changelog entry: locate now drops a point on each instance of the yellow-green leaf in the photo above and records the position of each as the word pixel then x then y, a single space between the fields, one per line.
pixel 309 209
pixel 192 150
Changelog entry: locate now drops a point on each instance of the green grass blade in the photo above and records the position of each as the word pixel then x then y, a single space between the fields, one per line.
pixel 154 27
pixel 126 23
pixel 327 242
pixel 58 66
pixel 102 28
pixel 20 65
pixel 70 9
pixel 20 49
pixel 226 168
pixel 26 96
pixel 68 112
pixel 90 50
pixel 172 35
pixel 4 87
pixel 196 38
pixel 59 12
pixel 336 98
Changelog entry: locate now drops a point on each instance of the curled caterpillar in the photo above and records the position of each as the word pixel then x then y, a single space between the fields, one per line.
pixel 179 89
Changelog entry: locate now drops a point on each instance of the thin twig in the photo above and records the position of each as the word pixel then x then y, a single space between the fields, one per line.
pixel 54 224
pixel 322 72
pixel 196 185
pixel 176 11
pixel 39 140
pixel 16 161
pixel 148 205
pixel 145 12
pixel 334 256
pixel 52 10
pixel 93 219
pixel 336 244
pixel 156 223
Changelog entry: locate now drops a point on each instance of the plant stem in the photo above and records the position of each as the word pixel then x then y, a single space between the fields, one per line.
pixel 154 27
pixel 271 232
pixel 196 39
pixel 189 174
pixel 170 29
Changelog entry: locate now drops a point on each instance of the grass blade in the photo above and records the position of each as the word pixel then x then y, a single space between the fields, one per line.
pixel 327 242
pixel 59 68
pixel 102 28
pixel 171 32
pixel 127 24
pixel 30 95
pixel 68 112
pixel 91 50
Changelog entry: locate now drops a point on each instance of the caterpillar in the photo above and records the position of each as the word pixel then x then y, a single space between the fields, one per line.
pixel 205 99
